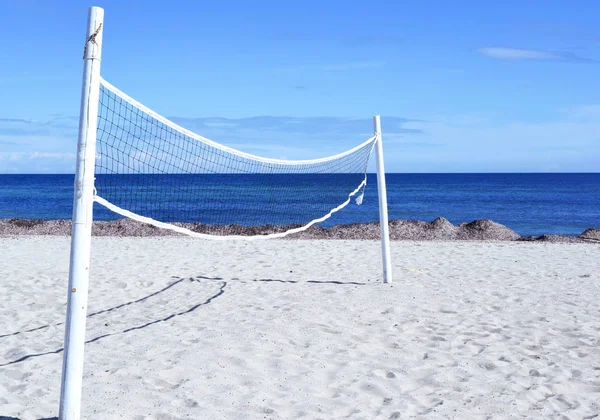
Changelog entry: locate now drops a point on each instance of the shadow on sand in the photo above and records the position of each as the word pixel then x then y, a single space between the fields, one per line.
pixel 291 281
pixel 17 418
pixel 220 292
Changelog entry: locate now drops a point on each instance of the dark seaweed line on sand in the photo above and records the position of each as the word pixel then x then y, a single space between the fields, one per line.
pixel 409 230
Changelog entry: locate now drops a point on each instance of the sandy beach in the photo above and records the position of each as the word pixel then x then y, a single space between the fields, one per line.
pixel 180 328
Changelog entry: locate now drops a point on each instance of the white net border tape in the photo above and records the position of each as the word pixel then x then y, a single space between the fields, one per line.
pixel 211 143
pixel 188 232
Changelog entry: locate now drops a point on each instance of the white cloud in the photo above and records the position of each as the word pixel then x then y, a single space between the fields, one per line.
pixel 518 54
pixel 36 162
pixel 274 150
pixel 19 156
pixel 219 124
pixel 525 54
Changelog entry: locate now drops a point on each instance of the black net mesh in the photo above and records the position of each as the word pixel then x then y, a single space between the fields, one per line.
pixel 154 170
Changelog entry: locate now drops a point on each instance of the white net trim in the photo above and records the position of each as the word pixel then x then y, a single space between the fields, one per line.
pixel 110 144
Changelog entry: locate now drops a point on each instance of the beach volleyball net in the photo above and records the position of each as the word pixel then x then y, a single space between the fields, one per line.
pixel 139 164
pixel 152 170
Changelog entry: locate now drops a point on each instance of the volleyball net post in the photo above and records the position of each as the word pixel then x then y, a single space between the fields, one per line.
pixel 81 232
pixel 383 207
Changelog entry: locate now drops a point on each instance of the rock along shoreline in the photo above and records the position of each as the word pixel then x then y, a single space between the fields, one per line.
pixel 439 229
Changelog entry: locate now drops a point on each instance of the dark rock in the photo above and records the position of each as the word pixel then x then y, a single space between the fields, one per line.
pixel 591 233
pixel 25 223
pixel 559 238
pixel 487 230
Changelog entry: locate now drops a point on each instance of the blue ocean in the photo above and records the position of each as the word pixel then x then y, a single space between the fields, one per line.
pixel 530 204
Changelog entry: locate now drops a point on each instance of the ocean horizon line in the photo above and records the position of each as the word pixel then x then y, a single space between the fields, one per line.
pixel 317 173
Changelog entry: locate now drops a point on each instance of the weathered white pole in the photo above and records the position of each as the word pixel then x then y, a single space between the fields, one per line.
pixel 383 208
pixel 81 233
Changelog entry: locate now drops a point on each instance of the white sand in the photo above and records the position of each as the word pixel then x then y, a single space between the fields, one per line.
pixel 467 331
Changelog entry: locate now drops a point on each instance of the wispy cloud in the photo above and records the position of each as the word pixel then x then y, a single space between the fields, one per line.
pixel 16 120
pixel 27 127
pixel 51 143
pixel 585 113
pixel 408 142
pixel 455 143
pixel 220 123
pixel 12 143
pixel 300 137
pixel 526 54
pixel 37 162
pixel 57 119
pixel 450 143
pixel 311 129
pixel 18 156
pixel 30 145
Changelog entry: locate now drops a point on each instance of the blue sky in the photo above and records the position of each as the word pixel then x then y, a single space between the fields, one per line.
pixel 462 86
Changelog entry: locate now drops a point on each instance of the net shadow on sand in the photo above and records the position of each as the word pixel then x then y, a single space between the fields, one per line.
pixel 18 418
pixel 98 312
pixel 220 291
pixel 169 288
pixel 354 283
pixel 349 283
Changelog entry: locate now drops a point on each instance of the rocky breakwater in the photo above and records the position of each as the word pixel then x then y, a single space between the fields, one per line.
pixel 439 229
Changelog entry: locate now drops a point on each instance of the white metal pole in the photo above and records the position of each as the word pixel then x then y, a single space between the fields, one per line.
pixel 383 208
pixel 81 233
